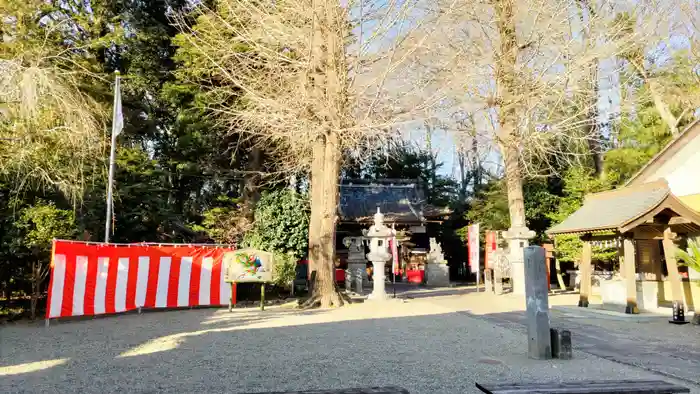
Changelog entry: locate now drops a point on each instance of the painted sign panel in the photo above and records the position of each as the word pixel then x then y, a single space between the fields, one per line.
pixel 248 265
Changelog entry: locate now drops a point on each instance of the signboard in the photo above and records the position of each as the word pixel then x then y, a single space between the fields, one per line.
pixel 248 265
pixel 473 245
pixel 417 230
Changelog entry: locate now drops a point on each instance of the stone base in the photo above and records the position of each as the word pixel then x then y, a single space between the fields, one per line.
pixel 518 240
pixel 358 278
pixel 517 277
pixel 377 297
pixel 437 275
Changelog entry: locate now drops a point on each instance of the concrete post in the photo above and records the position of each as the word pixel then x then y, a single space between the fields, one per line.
pixel 497 282
pixel 537 300
pixel 565 348
pixel 555 339
pixel 488 280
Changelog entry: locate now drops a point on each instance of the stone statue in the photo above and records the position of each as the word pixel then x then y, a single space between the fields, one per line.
pixel 435 246
pixel 435 256
pixel 436 271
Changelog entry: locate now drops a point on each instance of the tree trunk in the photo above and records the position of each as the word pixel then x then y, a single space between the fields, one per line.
pixel 432 166
pixel 592 133
pixel 514 186
pixel 317 198
pixel 36 288
pixel 476 165
pixel 251 195
pixel 591 89
pixel 463 175
pixel 661 106
pixel 329 86
pixel 656 95
pixel 325 280
pixel 507 115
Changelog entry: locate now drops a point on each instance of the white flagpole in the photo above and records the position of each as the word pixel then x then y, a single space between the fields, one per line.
pixel 117 124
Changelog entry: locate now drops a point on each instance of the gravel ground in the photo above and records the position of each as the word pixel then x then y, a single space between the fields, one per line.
pixel 423 345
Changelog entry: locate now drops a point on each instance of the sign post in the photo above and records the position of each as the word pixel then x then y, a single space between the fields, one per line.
pixel 473 245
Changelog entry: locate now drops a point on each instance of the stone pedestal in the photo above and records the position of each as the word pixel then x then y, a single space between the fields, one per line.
pixel 437 275
pixel 488 281
pixel 497 282
pixel 379 279
pixel 518 240
pixel 358 276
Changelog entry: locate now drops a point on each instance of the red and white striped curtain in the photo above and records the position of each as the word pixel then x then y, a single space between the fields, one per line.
pixel 93 279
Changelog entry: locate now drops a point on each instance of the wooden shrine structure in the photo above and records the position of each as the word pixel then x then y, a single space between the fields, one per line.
pixel 637 219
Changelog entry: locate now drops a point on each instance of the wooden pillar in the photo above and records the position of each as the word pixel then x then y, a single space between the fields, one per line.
pixel 672 267
pixel 557 266
pixel 630 275
pixel 585 271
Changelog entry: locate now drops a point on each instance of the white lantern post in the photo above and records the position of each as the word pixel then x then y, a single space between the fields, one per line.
pixel 378 236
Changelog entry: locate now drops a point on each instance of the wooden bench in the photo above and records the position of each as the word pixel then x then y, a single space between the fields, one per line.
pixel 364 390
pixel 581 387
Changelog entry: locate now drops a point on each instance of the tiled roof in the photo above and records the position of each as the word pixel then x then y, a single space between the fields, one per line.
pixel 613 209
pixel 399 200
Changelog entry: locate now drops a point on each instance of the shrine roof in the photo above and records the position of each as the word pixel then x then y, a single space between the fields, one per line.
pixel 623 209
pixel 400 200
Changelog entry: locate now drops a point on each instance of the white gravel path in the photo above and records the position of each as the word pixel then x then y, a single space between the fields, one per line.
pixel 420 345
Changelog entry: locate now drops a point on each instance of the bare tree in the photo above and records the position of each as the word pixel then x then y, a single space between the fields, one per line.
pixel 590 93
pixel 306 80
pixel 532 67
pixel 645 36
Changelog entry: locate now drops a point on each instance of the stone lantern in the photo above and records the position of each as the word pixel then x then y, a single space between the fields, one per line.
pixel 378 237
pixel 356 274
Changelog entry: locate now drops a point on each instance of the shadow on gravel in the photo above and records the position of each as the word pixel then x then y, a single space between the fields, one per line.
pixel 212 351
pixel 111 336
pixel 426 293
pixel 650 345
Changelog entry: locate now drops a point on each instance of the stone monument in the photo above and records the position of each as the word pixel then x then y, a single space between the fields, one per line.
pixel 537 301
pixel 378 236
pixel 356 274
pixel 437 273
